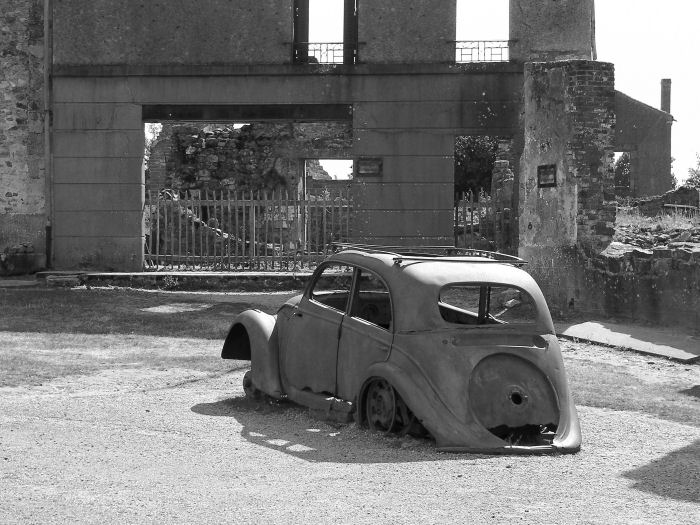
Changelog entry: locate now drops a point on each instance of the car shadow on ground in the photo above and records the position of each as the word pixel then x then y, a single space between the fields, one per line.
pixel 676 475
pixel 289 428
pixel 693 391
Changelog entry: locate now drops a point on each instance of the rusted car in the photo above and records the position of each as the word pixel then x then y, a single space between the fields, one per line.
pixel 461 347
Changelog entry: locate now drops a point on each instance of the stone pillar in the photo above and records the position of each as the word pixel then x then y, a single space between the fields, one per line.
pixel 566 184
pixel 23 200
pixel 502 183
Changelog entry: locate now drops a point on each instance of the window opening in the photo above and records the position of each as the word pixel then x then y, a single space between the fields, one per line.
pixel 372 301
pixel 486 304
pixel 325 31
pixel 476 223
pixel 332 287
pixel 329 169
pixel 482 31
pixel 623 171
pixel 232 195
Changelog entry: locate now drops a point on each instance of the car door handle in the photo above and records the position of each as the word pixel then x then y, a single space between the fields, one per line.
pixel 298 314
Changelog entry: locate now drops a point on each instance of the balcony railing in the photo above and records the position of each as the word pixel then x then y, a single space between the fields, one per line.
pixel 319 52
pixel 468 51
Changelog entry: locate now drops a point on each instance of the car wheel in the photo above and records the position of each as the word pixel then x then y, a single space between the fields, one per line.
pixel 380 406
pixel 386 412
pixel 249 388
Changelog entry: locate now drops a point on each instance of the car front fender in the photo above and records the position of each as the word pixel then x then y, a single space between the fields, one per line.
pixel 253 336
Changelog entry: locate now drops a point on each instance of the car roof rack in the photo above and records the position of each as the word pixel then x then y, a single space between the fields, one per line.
pixel 423 253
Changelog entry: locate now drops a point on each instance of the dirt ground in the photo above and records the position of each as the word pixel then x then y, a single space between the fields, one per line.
pixel 133 427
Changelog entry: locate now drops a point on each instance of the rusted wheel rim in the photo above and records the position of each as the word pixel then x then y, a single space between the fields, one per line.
pixel 381 406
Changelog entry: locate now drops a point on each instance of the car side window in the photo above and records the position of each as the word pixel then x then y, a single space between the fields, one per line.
pixel 332 287
pixel 371 301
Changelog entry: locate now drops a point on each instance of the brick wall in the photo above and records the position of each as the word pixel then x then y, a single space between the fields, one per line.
pixel 22 179
pixel 591 103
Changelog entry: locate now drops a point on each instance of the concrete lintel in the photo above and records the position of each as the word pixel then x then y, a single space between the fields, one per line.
pixel 212 70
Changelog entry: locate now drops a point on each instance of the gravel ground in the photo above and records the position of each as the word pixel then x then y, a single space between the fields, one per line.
pixel 137 444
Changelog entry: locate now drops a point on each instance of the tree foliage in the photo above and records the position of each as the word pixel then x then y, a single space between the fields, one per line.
pixel 623 169
pixel 474 160
pixel 694 174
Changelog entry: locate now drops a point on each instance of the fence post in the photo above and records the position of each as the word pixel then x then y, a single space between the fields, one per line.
pixel 253 233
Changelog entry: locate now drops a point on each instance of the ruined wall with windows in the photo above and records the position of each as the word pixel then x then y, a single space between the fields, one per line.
pixel 644 133
pixel 22 174
pixel 118 64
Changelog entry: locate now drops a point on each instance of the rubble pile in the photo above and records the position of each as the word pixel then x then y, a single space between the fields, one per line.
pixel 649 237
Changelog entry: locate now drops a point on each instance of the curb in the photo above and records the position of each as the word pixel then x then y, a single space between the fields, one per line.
pixel 182 281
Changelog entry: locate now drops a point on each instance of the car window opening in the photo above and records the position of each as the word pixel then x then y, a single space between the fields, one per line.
pixel 372 302
pixel 332 287
pixel 485 304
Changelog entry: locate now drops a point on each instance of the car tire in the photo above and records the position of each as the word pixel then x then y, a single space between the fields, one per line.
pixel 251 392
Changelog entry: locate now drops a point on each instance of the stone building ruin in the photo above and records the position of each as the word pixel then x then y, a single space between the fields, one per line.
pixel 252 157
pixel 80 78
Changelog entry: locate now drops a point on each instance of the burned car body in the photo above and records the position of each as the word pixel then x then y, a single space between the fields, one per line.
pixel 462 346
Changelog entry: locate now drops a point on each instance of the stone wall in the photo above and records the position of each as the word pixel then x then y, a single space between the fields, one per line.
pixel 22 177
pixel 254 157
pixel 552 30
pixel 167 32
pixel 658 286
pixel 674 201
pixel 396 31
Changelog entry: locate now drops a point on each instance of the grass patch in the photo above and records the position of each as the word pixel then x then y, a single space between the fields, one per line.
pixel 118 311
pixel 629 216
pixel 51 333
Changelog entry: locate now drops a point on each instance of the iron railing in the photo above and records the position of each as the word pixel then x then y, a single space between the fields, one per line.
pixel 468 51
pixel 278 231
pixel 319 52
pixel 229 230
pixel 479 224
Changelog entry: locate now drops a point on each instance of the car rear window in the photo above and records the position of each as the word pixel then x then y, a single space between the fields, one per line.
pixel 486 304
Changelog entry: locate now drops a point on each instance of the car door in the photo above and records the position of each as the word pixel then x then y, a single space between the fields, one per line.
pixel 309 343
pixel 366 335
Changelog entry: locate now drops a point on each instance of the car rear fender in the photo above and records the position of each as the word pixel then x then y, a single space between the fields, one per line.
pixel 423 401
pixel 253 336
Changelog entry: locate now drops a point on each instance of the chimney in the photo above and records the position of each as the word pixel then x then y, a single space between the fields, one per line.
pixel 666 95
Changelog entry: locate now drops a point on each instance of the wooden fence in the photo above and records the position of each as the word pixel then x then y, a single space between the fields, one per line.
pixel 236 231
